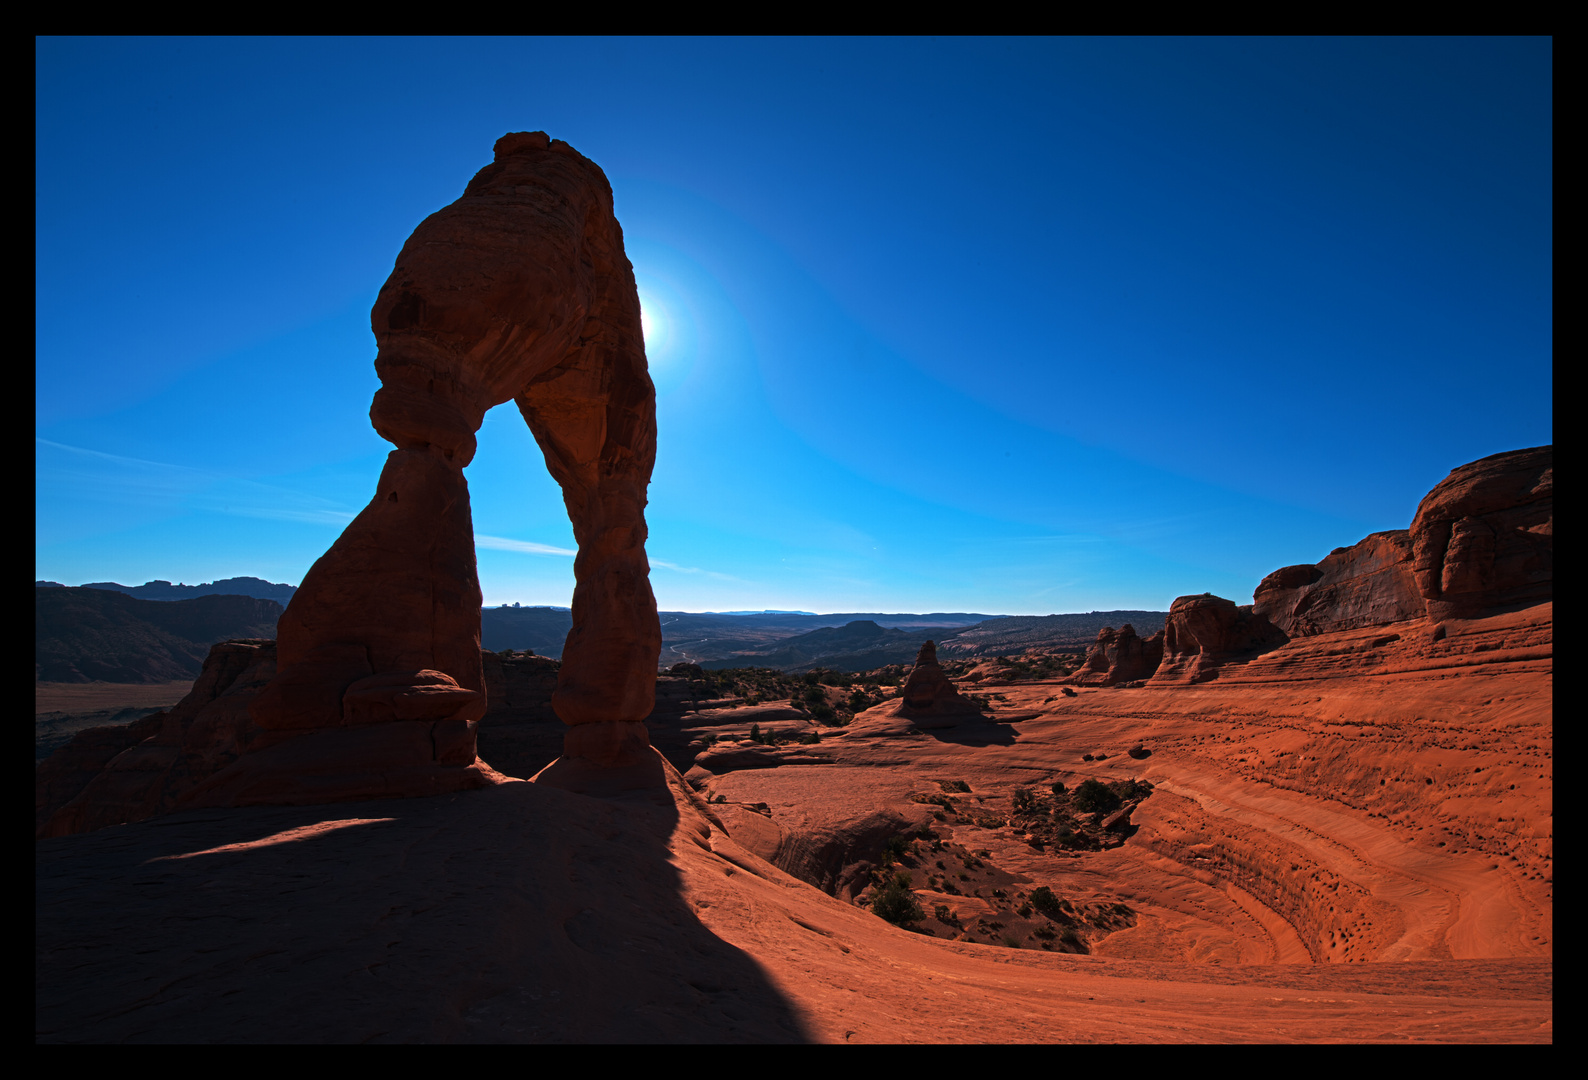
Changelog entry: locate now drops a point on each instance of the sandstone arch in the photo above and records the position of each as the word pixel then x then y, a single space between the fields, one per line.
pixel 518 291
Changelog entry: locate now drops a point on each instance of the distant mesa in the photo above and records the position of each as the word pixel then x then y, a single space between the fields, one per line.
pixel 859 645
pixel 257 588
pixel 96 635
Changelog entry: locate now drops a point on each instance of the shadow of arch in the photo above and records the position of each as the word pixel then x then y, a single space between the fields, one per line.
pixel 519 913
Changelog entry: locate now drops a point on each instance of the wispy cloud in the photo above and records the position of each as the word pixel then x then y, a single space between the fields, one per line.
pixel 695 570
pixel 527 547
pixel 117 478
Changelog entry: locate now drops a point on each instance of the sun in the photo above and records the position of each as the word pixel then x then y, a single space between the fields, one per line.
pixel 653 324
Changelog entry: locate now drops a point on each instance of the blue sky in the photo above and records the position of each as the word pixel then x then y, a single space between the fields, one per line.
pixel 1017 326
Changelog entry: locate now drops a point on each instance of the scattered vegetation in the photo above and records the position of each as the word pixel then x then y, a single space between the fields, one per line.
pixel 1092 796
pixel 896 903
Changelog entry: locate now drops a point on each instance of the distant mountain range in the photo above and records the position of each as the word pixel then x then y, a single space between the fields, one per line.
pixel 258 588
pixel 100 635
pixel 82 635
pixel 865 644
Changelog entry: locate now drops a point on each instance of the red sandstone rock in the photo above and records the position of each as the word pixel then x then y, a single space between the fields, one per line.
pixel 1483 538
pixel 928 694
pixel 1205 632
pixel 1481 542
pixel 1120 656
pixel 1368 584
pixel 520 291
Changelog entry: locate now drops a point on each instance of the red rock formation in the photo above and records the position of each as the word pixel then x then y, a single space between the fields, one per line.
pixel 1367 584
pixel 1120 656
pixel 518 291
pixel 1483 538
pixel 1481 543
pixel 1205 632
pixel 927 692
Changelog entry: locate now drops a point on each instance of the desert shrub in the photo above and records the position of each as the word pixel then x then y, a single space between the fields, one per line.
pixel 1129 789
pixel 811 739
pixel 896 903
pixel 859 702
pixel 1024 801
pixel 945 915
pixel 814 694
pixel 896 848
pixel 1058 787
pixel 1091 795
pixel 954 785
pixel 823 713
pixel 755 734
pixel 1043 899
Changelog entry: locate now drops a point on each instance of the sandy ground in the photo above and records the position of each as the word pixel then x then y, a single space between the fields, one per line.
pixel 95 697
pixel 1366 856
pixel 528 914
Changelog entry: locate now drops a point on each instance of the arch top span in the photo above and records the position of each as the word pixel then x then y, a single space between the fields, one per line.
pixel 518 291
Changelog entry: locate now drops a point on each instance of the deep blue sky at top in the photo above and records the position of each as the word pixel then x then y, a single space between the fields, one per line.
pixel 984 325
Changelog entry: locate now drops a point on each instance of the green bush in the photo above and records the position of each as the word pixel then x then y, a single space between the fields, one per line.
pixel 896 903
pixel 1091 795
pixel 1043 899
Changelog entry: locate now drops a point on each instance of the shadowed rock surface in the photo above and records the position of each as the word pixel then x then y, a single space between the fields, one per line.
pixel 1204 633
pixel 1483 539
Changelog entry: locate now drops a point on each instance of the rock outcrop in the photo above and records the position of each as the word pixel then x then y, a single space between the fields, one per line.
pixel 518 291
pixel 1483 538
pixel 928 696
pixel 1368 584
pixel 1203 633
pixel 1481 543
pixel 1120 656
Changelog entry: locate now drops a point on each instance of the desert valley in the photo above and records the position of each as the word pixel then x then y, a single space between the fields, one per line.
pixel 1325 815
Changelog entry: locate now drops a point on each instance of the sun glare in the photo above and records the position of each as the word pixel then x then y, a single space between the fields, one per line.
pixel 653 323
